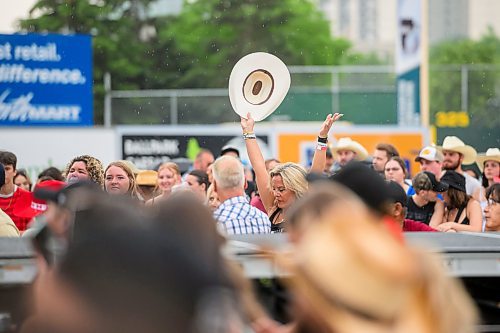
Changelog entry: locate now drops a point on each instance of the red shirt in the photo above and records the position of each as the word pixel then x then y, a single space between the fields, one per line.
pixel 14 202
pixel 257 203
pixel 393 228
pixel 410 225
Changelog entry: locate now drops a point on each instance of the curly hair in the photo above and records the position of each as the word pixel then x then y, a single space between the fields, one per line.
pixel 94 168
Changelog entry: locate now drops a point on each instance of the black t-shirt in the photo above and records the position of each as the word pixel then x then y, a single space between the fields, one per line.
pixel 422 214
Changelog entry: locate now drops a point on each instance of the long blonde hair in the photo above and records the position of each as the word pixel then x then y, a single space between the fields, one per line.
pixel 294 177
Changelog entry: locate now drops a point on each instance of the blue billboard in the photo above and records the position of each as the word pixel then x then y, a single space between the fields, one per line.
pixel 46 80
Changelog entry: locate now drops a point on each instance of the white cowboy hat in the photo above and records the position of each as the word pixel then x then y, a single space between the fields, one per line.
pixel 492 154
pixel 349 144
pixel 258 84
pixel 453 143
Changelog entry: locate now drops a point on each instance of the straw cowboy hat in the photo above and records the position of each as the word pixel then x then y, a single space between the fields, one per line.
pixel 453 143
pixel 349 144
pixel 258 84
pixel 492 154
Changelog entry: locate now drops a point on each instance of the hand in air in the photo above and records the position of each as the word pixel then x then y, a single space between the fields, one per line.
pixel 247 124
pixel 327 124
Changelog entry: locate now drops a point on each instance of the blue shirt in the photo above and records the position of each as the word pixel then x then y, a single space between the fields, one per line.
pixel 238 217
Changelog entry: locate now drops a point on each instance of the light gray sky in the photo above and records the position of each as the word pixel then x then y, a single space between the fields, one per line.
pixel 11 10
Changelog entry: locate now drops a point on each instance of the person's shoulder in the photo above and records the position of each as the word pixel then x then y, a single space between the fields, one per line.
pixel 473 203
pixel 471 179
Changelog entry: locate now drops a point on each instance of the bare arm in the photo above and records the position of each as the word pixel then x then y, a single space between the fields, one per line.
pixel 258 164
pixel 438 215
pixel 319 158
pixel 475 220
pixel 475 215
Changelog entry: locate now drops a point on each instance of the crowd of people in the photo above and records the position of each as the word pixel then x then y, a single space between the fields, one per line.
pixel 140 250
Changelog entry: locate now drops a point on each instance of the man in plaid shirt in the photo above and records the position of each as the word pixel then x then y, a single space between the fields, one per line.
pixel 235 215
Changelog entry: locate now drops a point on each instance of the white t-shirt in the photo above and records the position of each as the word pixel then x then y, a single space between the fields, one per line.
pixel 471 183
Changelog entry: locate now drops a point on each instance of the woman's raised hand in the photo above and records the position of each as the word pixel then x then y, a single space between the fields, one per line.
pixel 247 124
pixel 327 124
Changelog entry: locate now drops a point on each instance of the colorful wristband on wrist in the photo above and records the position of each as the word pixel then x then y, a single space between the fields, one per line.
pixel 247 136
pixel 322 140
pixel 321 146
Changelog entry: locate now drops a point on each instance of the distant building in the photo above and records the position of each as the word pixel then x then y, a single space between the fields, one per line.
pixel 371 24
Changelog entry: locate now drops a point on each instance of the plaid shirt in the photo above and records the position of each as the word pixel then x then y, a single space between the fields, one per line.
pixel 237 217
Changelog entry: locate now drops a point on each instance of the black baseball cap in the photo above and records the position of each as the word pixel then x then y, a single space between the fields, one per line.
pixel 227 149
pixel 427 181
pixel 454 180
pixel 397 193
pixel 366 183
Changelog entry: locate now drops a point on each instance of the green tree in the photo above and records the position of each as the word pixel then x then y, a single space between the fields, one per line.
pixel 116 27
pixel 483 84
pixel 214 34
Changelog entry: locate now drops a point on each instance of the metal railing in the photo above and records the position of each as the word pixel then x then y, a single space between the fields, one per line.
pixel 368 93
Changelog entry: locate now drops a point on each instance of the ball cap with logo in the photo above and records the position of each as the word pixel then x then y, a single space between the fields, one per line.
pixel 258 84
pixel 452 143
pixel 430 153
pixel 36 206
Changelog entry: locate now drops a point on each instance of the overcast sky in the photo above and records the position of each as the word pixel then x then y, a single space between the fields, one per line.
pixel 10 11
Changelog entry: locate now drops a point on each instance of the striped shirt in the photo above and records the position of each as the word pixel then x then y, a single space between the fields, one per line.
pixel 236 216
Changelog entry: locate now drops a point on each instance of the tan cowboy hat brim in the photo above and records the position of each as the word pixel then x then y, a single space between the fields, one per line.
pixel 468 152
pixel 453 143
pixel 258 84
pixel 493 154
pixel 361 153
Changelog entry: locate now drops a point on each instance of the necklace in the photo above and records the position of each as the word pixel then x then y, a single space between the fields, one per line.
pixel 10 202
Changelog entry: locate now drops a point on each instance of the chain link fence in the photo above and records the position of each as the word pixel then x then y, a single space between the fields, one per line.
pixel 365 94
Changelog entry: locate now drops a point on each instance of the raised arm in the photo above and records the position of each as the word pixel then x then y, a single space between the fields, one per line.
pixel 319 158
pixel 257 161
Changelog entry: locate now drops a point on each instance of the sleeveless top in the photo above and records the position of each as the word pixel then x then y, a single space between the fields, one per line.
pixel 277 227
pixel 459 213
pixel 421 214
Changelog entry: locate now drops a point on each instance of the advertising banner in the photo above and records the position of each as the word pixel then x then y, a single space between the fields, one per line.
pixel 45 80
pixel 148 151
pixel 299 147
pixel 408 61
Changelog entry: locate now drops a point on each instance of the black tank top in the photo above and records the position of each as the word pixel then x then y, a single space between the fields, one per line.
pixel 459 213
pixel 276 227
pixel 421 214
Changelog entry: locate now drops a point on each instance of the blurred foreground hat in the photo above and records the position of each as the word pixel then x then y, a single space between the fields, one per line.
pixel 452 143
pixel 492 154
pixel 258 84
pixel 147 178
pixel 36 206
pixel 397 193
pixel 430 153
pixel 349 144
pixel 374 286
pixel 454 180
pixel 366 183
pixel 66 196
